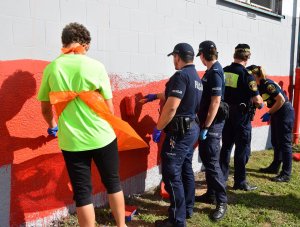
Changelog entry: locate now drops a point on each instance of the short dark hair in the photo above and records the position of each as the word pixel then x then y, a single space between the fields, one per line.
pixel 75 33
pixel 186 58
pixel 211 55
pixel 242 52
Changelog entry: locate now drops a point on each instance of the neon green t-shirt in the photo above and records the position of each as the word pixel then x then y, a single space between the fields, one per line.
pixel 80 128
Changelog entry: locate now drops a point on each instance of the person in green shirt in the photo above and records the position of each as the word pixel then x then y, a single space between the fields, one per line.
pixel 83 136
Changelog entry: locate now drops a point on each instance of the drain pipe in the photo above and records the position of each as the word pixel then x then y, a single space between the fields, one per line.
pixel 297 106
pixel 296 59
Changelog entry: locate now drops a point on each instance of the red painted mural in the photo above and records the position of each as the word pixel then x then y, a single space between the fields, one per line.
pixel 39 181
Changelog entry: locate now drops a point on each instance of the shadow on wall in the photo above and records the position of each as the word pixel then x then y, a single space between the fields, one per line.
pixel 38 180
pixel 131 112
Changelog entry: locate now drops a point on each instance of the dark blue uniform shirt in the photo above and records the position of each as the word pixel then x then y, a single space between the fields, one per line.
pixel 269 90
pixel 186 85
pixel 240 86
pixel 213 85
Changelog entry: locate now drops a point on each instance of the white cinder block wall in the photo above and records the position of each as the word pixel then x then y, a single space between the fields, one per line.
pixel 134 36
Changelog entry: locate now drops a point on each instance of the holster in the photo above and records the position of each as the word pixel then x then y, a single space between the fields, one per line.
pixel 179 125
pixel 223 111
pixel 248 109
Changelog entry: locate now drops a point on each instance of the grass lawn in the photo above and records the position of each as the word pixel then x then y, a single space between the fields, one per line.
pixel 273 204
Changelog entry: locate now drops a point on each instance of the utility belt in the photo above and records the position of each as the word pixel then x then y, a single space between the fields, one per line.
pixel 179 125
pixel 245 109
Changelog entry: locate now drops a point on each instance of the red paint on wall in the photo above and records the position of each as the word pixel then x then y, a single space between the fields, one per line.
pixel 39 181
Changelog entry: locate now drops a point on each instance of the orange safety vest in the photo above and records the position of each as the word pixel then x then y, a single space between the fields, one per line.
pixel 128 139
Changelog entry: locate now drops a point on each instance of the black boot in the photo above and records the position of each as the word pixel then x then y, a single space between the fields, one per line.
pixel 219 212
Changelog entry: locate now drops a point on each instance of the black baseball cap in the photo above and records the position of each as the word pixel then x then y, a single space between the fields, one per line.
pixel 183 49
pixel 206 46
pixel 243 47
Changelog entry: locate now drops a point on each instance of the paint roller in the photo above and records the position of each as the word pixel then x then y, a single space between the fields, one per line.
pixel 129 105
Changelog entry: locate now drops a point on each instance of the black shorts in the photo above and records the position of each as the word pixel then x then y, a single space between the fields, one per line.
pixel 79 170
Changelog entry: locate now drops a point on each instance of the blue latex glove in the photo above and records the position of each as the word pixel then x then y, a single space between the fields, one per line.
pixel 52 131
pixel 150 97
pixel 266 117
pixel 203 134
pixel 156 135
pixel 261 106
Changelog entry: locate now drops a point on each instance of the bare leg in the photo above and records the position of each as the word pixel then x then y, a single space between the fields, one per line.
pixel 117 206
pixel 86 215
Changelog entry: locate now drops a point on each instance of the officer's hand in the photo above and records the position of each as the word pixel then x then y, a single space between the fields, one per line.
pixel 260 106
pixel 52 131
pixel 203 134
pixel 156 135
pixel 266 117
pixel 149 98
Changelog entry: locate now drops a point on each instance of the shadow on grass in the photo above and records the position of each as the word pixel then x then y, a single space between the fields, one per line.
pixel 283 203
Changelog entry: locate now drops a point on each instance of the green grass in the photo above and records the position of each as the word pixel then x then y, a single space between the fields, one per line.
pixel 273 204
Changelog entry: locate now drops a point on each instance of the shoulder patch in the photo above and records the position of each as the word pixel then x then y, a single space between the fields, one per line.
pixel 271 88
pixel 250 72
pixel 252 85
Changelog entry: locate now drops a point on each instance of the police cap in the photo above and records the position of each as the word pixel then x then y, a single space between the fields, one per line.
pixel 183 49
pixel 243 47
pixel 253 68
pixel 205 47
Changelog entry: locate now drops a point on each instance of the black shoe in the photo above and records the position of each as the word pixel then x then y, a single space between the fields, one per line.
pixel 164 223
pixel 270 169
pixel 206 198
pixel 219 212
pixel 189 216
pixel 281 178
pixel 245 187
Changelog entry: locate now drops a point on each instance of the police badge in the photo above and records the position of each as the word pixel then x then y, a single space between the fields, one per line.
pixel 252 86
pixel 271 88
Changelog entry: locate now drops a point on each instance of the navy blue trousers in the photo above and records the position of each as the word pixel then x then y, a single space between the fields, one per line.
pixel 178 175
pixel 209 151
pixel 236 131
pixel 282 123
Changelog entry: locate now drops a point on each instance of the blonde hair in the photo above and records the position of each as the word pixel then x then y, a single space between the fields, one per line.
pixel 259 72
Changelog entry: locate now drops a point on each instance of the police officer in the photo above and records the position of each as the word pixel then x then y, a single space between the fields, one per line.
pixel 211 128
pixel 182 98
pixel 242 95
pixel 282 118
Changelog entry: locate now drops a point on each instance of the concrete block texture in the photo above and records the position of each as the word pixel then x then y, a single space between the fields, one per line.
pixel 44 9
pixel 98 14
pixel 29 33
pixel 15 8
pixel 73 11
pixel 158 25
pixel 5 178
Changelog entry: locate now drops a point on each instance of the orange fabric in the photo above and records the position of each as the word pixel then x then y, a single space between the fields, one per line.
pixel 128 139
pixel 76 50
